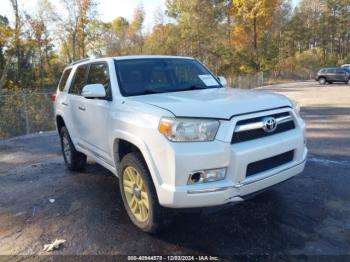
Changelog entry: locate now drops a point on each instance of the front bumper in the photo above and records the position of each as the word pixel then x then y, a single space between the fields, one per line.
pixel 223 192
pixel 186 158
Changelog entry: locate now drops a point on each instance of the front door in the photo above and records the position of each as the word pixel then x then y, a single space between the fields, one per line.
pixel 341 75
pixel 97 114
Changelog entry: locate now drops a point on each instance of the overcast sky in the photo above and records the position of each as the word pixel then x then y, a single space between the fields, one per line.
pixel 108 9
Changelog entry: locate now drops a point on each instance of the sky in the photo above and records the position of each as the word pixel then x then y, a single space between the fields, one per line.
pixel 107 9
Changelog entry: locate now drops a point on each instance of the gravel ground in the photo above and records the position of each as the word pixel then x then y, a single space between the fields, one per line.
pixel 308 215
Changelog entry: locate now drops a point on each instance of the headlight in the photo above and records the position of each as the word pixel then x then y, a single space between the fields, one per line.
pixel 188 129
pixel 296 107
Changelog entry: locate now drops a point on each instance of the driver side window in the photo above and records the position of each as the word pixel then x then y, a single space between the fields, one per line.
pixel 98 74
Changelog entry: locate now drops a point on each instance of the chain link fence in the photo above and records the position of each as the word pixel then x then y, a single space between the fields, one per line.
pixel 246 81
pixel 264 79
pixel 22 114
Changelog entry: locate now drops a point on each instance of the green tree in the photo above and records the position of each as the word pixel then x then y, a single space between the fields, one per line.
pixel 201 28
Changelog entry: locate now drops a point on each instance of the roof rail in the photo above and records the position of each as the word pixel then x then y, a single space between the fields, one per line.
pixel 80 61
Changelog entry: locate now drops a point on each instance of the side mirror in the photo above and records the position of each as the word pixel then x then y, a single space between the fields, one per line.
pixel 223 81
pixel 94 91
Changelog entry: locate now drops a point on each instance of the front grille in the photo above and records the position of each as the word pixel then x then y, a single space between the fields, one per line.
pixel 269 163
pixel 243 136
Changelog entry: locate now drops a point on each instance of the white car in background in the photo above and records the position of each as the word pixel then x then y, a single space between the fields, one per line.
pixel 174 134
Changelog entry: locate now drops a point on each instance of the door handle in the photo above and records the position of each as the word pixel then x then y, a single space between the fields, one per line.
pixel 64 104
pixel 81 108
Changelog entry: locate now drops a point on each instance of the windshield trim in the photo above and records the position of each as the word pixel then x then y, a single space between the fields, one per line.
pixel 122 93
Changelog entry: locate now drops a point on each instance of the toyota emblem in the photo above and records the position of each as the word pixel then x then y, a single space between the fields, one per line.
pixel 269 124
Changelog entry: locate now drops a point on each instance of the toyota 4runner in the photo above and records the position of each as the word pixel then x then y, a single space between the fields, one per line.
pixel 174 134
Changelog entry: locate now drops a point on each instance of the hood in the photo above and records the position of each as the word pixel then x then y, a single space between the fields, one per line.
pixel 220 103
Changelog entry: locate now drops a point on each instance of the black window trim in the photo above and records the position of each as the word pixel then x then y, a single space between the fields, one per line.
pixel 75 75
pixel 109 76
pixel 65 84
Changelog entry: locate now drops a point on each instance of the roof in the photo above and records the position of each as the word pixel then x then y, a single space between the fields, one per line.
pixel 148 56
pixel 127 58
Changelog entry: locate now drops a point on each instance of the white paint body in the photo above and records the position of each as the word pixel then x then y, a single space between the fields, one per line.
pixel 97 130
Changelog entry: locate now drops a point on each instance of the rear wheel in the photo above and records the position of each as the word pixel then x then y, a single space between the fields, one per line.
pixel 74 160
pixel 138 193
pixel 322 81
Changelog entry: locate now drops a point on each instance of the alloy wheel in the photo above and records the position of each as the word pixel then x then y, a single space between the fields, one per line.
pixel 136 194
pixel 66 149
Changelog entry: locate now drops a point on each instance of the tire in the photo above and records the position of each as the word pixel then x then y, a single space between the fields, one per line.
pixel 348 82
pixel 74 160
pixel 322 81
pixel 134 194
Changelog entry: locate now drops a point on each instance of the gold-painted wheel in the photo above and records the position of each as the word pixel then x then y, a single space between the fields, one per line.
pixel 136 194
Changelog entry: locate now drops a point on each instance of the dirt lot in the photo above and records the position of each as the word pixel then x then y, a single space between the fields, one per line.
pixel 307 215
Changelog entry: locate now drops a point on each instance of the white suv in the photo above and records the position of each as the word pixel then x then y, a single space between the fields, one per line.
pixel 174 134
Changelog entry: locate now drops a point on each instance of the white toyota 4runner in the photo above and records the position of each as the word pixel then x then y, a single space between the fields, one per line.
pixel 174 134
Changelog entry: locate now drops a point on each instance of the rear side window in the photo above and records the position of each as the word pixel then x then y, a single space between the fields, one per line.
pixel 98 74
pixel 64 79
pixel 79 80
pixel 340 71
pixel 331 71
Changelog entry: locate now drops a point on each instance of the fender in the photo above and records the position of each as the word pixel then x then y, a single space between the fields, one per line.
pixel 141 145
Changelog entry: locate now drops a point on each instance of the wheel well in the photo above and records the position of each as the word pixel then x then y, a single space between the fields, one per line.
pixel 60 122
pixel 125 147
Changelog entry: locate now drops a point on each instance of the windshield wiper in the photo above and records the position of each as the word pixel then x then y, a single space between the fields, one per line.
pixel 196 87
pixel 151 91
pixel 191 88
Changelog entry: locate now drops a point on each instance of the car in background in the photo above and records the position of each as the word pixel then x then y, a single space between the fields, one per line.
pixel 331 75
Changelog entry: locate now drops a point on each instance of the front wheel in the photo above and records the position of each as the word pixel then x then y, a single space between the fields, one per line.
pixel 138 193
pixel 322 81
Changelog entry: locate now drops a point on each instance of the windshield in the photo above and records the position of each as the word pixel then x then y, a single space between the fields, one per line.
pixel 161 75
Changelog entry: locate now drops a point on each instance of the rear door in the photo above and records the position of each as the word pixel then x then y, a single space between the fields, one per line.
pixel 331 74
pixel 96 114
pixel 61 104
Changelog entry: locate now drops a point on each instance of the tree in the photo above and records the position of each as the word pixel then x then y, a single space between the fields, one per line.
pixel 119 43
pixel 5 38
pixel 17 32
pixel 199 28
pixel 253 19
pixel 135 34
pixel 163 40
pixel 72 28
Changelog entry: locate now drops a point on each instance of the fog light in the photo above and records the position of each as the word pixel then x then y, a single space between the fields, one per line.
pixel 205 176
